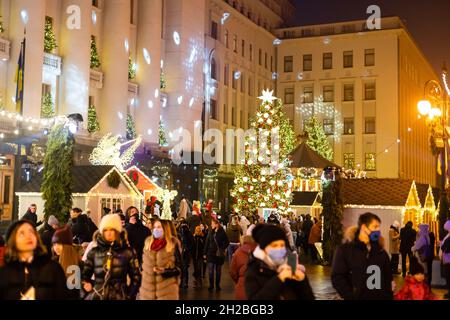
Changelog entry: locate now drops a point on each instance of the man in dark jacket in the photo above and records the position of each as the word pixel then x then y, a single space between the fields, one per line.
pixel 80 227
pixel 361 268
pixel 47 233
pixel 407 239
pixel 31 216
pixel 193 221
pixel 137 233
pixel 187 245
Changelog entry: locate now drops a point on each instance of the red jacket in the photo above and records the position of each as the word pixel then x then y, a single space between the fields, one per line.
pixel 414 290
pixel 238 268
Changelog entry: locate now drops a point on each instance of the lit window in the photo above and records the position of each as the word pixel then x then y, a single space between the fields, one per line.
pixel 370 164
pixel 348 59
pixel 369 57
pixel 327 60
pixel 349 160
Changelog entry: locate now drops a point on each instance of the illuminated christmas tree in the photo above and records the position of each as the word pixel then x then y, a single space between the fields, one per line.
pixel 131 69
pixel 131 129
pixel 47 109
pixel 93 124
pixel 49 36
pixel 162 81
pixel 162 134
pixel 263 179
pixel 95 58
pixel 317 139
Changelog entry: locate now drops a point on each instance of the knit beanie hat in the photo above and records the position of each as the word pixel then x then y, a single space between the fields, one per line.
pixel 52 220
pixel 15 225
pixel 265 234
pixel 111 221
pixel 416 267
pixel 447 225
pixel 63 236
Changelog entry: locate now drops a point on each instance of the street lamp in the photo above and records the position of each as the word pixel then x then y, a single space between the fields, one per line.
pixel 434 105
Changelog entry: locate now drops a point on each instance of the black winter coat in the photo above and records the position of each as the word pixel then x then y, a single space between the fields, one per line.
pixel 123 263
pixel 407 239
pixel 137 233
pixel 187 242
pixel 215 246
pixel 197 250
pixel 350 272
pixel 262 283
pixel 46 276
pixel 81 229
pixel 32 217
pixel 46 236
pixel 193 222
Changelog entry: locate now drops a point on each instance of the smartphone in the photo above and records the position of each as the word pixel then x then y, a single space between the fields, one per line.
pixel 292 260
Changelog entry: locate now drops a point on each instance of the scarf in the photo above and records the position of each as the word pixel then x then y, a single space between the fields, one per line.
pixel 158 244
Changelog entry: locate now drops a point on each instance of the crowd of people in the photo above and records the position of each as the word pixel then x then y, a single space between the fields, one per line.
pixel 128 258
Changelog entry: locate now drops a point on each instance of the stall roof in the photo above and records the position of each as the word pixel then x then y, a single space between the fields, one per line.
pixel 305 157
pixel 85 178
pixel 304 198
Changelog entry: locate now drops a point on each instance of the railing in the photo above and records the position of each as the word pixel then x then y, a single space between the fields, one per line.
pixel 4 49
pixel 52 63
pixel 96 79
pixel 133 88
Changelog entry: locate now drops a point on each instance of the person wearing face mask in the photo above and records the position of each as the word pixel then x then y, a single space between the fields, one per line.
pixel 268 276
pixel 362 257
pixel 162 264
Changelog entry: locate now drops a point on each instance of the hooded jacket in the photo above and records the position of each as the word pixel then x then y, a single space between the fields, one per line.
pixel 123 263
pixel 414 290
pixel 353 265
pixel 239 266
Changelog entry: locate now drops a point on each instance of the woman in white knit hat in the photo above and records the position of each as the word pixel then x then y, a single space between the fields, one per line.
pixel 111 261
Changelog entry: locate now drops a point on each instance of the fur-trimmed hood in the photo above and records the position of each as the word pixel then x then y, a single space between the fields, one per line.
pixel 350 236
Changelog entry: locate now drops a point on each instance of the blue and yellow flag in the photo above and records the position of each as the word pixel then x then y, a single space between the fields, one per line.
pixel 20 78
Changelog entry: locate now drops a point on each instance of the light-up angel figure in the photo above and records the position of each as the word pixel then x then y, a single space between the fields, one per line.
pixel 108 152
pixel 167 196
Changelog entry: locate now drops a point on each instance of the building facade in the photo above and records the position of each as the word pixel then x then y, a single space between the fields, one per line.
pixel 363 85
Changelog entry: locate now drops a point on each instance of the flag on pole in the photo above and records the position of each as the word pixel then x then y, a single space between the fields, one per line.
pixel 20 76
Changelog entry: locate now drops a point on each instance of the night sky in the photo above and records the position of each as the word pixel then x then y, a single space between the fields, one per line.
pixel 427 20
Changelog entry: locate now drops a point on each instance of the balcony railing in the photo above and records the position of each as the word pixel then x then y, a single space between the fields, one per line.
pixel 52 63
pixel 96 79
pixel 133 88
pixel 4 49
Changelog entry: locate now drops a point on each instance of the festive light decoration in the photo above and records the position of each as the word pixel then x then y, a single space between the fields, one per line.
pixel 162 140
pixel 317 138
pixel 95 58
pixel 147 57
pixel 166 196
pixel 108 152
pixel 162 81
pixel 267 176
pixel 2 29
pixel 131 68
pixel 93 124
pixel 47 109
pixel 49 36
pixel 131 128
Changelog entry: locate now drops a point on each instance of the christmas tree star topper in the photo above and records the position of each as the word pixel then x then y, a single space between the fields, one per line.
pixel 267 96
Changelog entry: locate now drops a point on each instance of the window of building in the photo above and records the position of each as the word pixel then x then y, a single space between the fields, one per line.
pixel 349 93
pixel 91 101
pixel 260 57
pixel 234 80
pixel 250 89
pixel 349 160
pixel 213 110
pixel 243 48
pixel 288 63
pixel 308 94
pixel 214 30
pixel 132 11
pixel 328 93
pixel 225 113
pixel 95 3
pixel 307 62
pixel 271 63
pixel 241 115
pixel 348 59
pixel 233 116
pixel 213 69
pixel 265 60
pixel 370 164
pixel 226 74
pixel 369 57
pixel 251 52
pixel 349 126
pixel 370 125
pixel 6 189
pixel 235 43
pixel 369 91
pixel 242 83
pixel 226 38
pixel 289 95
pixel 111 203
pixel 328 126
pixel 327 60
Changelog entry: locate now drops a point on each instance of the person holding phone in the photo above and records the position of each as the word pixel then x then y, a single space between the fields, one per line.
pixel 273 273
